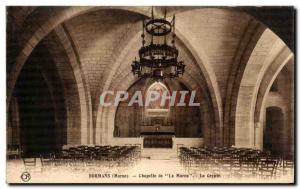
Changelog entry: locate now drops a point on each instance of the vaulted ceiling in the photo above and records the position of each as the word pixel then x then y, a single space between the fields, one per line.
pixel 216 43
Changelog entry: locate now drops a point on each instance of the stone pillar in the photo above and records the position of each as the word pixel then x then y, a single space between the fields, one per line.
pixel 244 135
pixel 13 130
pixel 258 135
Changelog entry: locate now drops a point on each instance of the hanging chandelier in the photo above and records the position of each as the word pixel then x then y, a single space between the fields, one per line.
pixel 158 59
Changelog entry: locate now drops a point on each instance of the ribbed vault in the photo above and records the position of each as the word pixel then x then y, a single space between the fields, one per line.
pixel 231 59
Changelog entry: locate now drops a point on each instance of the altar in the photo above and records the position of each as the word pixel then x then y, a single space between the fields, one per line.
pixel 158 136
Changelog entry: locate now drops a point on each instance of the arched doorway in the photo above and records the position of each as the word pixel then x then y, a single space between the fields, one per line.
pixel 273 131
pixel 37 117
pixel 38 114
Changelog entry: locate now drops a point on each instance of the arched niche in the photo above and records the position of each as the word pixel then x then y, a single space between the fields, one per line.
pixel 130 119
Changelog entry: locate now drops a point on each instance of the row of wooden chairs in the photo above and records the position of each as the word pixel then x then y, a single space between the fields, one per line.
pixel 230 161
pixel 82 157
pixel 98 152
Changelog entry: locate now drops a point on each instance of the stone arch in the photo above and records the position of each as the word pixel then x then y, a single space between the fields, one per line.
pixel 251 78
pixel 197 66
pixel 40 90
pixel 37 29
pixel 83 88
pixel 125 79
pixel 130 43
pixel 124 83
pixel 281 60
pixel 246 46
pixel 73 89
pixel 278 70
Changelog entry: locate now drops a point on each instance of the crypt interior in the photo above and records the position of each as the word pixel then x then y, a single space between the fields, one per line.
pixel 61 59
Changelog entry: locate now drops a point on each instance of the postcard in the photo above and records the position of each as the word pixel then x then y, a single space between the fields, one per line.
pixel 150 94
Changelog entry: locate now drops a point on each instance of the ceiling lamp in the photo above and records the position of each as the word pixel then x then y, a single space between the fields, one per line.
pixel 157 59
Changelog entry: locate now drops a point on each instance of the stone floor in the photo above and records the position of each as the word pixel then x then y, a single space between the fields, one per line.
pixel 155 166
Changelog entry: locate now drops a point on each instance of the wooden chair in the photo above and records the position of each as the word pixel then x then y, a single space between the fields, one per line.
pixel 30 164
pixel 267 169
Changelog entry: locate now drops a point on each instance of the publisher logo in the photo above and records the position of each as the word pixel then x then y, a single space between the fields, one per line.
pixel 25 176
